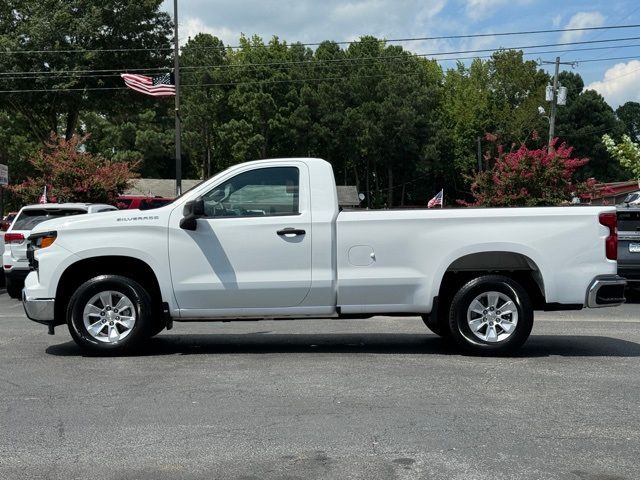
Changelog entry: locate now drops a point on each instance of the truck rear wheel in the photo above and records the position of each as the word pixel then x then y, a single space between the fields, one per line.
pixel 491 314
pixel 110 313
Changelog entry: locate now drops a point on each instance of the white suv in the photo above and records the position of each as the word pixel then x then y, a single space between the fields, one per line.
pixel 14 258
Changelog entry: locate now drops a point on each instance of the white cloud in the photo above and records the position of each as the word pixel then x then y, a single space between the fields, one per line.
pixel 556 21
pixel 192 26
pixel 314 21
pixel 480 9
pixel 582 20
pixel 621 83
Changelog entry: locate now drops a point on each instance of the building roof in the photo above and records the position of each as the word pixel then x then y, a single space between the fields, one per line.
pixel 158 187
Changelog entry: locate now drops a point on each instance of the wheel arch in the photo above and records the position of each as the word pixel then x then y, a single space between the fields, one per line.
pixel 82 270
pixel 514 264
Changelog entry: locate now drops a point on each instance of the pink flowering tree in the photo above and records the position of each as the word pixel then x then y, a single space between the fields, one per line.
pixel 72 175
pixel 528 178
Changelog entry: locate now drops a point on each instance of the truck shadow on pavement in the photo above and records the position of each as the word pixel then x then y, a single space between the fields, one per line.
pixel 375 343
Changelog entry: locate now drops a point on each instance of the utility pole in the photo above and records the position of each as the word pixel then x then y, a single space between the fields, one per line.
pixel 554 105
pixel 554 98
pixel 176 76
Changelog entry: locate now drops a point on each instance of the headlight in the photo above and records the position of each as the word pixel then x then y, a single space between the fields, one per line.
pixel 43 240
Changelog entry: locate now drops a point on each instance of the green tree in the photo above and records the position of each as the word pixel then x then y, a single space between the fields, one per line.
pixel 499 96
pixel 62 39
pixel 144 138
pixel 629 114
pixel 582 122
pixel 627 152
pixel 204 98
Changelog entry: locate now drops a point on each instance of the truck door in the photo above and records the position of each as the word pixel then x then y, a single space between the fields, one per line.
pixel 252 249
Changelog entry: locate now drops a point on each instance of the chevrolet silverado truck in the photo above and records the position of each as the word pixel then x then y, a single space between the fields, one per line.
pixel 267 239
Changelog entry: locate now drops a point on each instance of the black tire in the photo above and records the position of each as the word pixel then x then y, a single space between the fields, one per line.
pixel 14 288
pixel 140 298
pixel 438 324
pixel 458 322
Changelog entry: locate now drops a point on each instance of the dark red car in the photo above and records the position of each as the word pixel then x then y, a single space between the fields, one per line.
pixel 6 221
pixel 128 202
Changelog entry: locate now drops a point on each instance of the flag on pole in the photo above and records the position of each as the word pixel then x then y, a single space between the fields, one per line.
pixel 43 197
pixel 437 200
pixel 158 86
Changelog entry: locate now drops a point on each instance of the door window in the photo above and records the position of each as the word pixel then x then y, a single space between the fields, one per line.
pixel 262 192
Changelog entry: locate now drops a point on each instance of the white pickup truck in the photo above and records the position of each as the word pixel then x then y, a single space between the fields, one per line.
pixel 267 239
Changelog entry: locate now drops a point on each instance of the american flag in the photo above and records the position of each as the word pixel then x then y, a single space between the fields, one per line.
pixel 158 86
pixel 437 200
pixel 43 197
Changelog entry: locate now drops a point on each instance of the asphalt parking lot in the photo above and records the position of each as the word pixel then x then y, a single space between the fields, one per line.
pixel 351 399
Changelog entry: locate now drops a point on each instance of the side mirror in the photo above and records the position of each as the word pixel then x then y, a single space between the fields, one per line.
pixel 198 207
pixel 191 212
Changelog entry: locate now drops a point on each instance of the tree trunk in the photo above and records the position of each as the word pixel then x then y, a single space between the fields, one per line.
pixel 72 123
pixel 390 186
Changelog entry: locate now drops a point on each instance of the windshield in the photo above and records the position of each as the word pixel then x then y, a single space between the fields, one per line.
pixel 187 191
pixel 28 219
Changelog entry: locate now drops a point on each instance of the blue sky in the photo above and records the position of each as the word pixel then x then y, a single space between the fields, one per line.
pixel 313 21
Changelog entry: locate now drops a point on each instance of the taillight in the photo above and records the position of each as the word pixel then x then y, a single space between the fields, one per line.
pixel 13 238
pixel 610 220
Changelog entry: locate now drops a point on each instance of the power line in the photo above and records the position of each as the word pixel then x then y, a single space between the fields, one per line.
pixel 632 57
pixel 317 62
pixel 260 82
pixel 394 40
pixel 283 80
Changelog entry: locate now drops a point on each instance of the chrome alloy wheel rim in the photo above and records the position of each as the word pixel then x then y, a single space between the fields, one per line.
pixel 492 317
pixel 109 316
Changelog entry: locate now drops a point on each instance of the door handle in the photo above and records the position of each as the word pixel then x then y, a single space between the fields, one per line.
pixel 291 231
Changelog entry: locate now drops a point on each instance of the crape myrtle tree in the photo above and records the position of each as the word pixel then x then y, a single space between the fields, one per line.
pixel 526 177
pixel 72 175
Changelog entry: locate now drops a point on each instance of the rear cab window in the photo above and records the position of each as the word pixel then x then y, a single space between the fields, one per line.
pixel 28 219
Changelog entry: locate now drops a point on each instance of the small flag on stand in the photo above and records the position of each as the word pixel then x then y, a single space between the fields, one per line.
pixel 43 197
pixel 437 200
pixel 158 86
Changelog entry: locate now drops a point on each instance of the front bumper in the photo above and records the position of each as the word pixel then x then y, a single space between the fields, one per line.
pixel 606 291
pixel 39 310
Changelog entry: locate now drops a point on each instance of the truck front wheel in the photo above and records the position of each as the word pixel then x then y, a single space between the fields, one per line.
pixel 110 313
pixel 491 314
